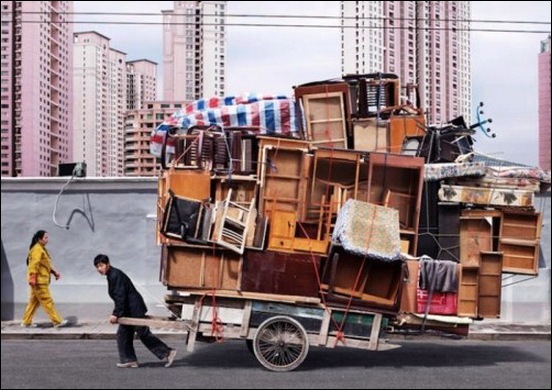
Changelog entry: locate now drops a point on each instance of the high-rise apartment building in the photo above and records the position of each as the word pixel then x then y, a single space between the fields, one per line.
pixel 544 105
pixel 194 50
pixel 36 93
pixel 425 43
pixel 139 125
pixel 141 83
pixel 100 83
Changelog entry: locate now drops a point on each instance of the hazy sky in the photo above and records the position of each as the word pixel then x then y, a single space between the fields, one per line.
pixel 274 59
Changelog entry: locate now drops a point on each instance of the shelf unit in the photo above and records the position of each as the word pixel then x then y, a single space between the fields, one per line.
pixel 337 175
pixel 398 180
pixel 283 175
pixel 490 285
pixel 520 234
pixel 468 291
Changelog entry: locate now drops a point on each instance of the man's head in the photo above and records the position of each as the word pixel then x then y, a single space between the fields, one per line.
pixel 101 262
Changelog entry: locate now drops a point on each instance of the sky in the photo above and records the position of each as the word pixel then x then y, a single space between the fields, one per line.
pixel 274 59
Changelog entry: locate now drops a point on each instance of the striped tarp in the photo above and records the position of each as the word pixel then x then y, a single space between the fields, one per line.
pixel 271 114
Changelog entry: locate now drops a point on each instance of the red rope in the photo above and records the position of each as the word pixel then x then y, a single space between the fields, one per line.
pixel 340 335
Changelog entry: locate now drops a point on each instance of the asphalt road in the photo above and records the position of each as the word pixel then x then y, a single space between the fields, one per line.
pixel 439 364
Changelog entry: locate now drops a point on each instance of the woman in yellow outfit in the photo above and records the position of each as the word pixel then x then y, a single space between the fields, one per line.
pixel 39 268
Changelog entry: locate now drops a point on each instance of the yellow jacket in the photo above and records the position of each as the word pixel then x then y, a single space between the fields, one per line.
pixel 39 264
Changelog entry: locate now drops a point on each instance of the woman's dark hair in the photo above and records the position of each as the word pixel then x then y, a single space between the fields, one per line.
pixel 103 259
pixel 37 236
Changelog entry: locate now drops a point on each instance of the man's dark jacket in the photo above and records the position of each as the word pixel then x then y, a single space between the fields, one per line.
pixel 128 301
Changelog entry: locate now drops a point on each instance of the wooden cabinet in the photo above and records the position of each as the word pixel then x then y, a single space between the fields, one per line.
pixel 283 176
pixel 397 181
pixel 337 175
pixel 282 230
pixel 284 235
pixel 374 283
pixel 402 126
pixel 468 291
pixel 475 236
pixel 490 285
pixel 280 273
pixel 520 234
pixel 185 267
pixel 371 135
pixel 177 181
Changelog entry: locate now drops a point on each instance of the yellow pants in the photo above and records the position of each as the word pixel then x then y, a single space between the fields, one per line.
pixel 40 296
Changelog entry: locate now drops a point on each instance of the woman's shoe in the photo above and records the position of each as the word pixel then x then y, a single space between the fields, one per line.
pixel 62 324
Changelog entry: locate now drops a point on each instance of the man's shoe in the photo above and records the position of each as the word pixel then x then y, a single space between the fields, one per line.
pixel 62 324
pixel 128 365
pixel 31 325
pixel 170 358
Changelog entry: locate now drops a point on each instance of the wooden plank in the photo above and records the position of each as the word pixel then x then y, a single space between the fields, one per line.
pixel 325 327
pixel 254 296
pixel 194 326
pixel 244 329
pixel 410 285
pixel 374 336
pixel 155 322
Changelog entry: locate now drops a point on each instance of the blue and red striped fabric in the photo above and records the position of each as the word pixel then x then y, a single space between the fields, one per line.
pixel 272 114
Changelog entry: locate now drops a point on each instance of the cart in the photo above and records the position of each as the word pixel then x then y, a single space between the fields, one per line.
pixel 278 332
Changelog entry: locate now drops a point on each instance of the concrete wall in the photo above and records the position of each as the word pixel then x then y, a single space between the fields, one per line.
pixel 117 217
pixel 112 216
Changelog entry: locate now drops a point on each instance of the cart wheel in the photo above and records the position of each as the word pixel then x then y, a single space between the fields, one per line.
pixel 281 344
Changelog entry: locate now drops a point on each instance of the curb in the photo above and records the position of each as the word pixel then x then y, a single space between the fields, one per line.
pixel 510 336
